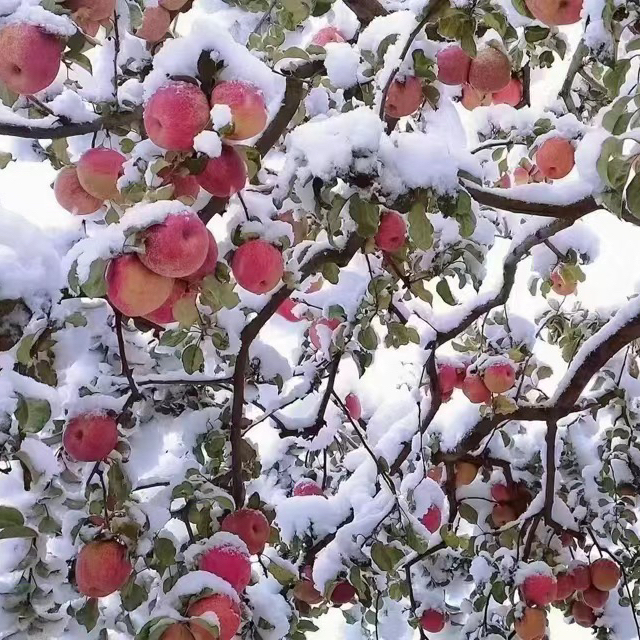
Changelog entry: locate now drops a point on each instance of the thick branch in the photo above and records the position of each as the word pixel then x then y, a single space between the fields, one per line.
pixel 366 10
pixel 550 483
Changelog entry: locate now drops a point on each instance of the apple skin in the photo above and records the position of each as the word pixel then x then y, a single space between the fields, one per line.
pixel 502 514
pixel 175 114
pixel 521 176
pixel 225 175
pixel 490 70
pixel 432 519
pixel 307 488
pixel 155 24
pixel 285 310
pixel 133 289
pixel 352 403
pixel 91 436
pixel 250 526
pixel 257 266
pixel 98 172
pixel 555 12
pixel 30 58
pixel 305 591
pixel 555 158
pixel 327 35
pixel 532 625
pixel 499 377
pixel 432 620
pixel 183 185
pixel 224 607
pixel 472 98
pixel 560 286
pixel 102 567
pixel 595 598
pixel 475 389
pixel 501 493
pixel 539 590
pixel 581 577
pixel 177 247
pixel 391 232
pixel 565 586
pixel 208 267
pixel 583 614
pixel 511 94
pixel 314 335
pixel 447 378
pixel 342 593
pixel 229 563
pixel 465 474
pixel 96 10
pixel 453 65
pixel 71 196
pixel 248 110
pixel 605 574
pixel 404 97
pixel 164 313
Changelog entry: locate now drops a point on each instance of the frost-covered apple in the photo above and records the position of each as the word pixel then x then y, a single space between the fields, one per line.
pixel 391 232
pixel 432 518
pixel 532 624
pixel 555 158
pixel 490 70
pixel 565 586
pixel 432 620
pixel 595 598
pixel 447 378
pixel 583 614
pixel 71 196
pixel 472 98
pixel 166 313
pixel 248 109
pixel 404 97
pixel 250 525
pixel 352 403
pixel 30 57
pixel 98 172
pixel 155 24
pixel 561 286
pixel 327 35
pixel 342 593
pixel 90 436
pixel 504 182
pixel 102 567
pixel 466 473
pixel 257 266
pixel 555 12
pixel 285 310
pixel 511 94
pixel 499 377
pixel 605 574
pixel 175 114
pixel 133 289
pixel 225 608
pixel 475 389
pixel 177 247
pixel 539 589
pixel 324 326
pixel 229 563
pixel 453 65
pixel 307 487
pixel 224 175
pixel 184 184
pixel 581 576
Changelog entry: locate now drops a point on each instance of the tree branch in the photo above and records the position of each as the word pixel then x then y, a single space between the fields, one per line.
pixel 126 370
pixel 366 10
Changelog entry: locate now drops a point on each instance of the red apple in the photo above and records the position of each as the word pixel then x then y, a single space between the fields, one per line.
pixel 96 10
pixel 447 378
pixel 164 314
pixel 453 65
pixel 475 389
pixel 209 265
pixel 98 172
pixel 432 518
pixel 172 5
pixel 490 70
pixel 326 326
pixel 102 567
pixel 91 436
pixel 327 35
pixel 595 598
pixel 250 526
pixel 472 98
pixel 285 310
pixel 511 94
pixel 499 377
pixel 504 182
pixel 532 625
pixel 225 175
pixel 133 289
pixel 184 185
pixel 555 158
pixel 177 631
pixel 583 614
pixel 561 286
pixel 342 593
pixel 404 97
pixel 155 24
pixel 307 487
pixel 555 12
pixel 521 176
pixel 565 586
pixel 257 266
pixel 71 196
pixel 175 114
pixel 248 109
pixel 229 563
pixel 432 620
pixel 352 403
pixel 605 574
pixel 539 589
pixel 391 232
pixel 305 591
pixel 30 59
pixel 225 608
pixel 502 514
pixel 501 493
pixel 581 577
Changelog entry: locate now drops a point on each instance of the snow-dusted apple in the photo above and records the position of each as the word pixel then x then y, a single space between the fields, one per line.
pixel 209 265
pixel 250 525
pixel 555 12
pixel 102 567
pixel 583 614
pixel 475 389
pixel 490 70
pixel 511 94
pixel 168 311
pixel 595 598
pixel 225 608
pixel 98 172
pixel 185 185
pixel 342 593
pixel 605 574
pixel 90 436
pixel 71 196
pixel 228 562
pixel 432 518
pixel 581 576
pixel 392 231
pixel 285 310
pixel 453 65
pixel 257 266
pixel 404 97
pixel 555 158
pixel 432 620
pixel 472 98
pixel 532 624
pixel 224 175
pixel 307 487
pixel 565 586
pixel 539 589
pixel 305 591
pixel 327 35
pixel 248 109
pixel 560 285
pixel 447 378
pixel 96 10
pixel 155 24
pixel 499 377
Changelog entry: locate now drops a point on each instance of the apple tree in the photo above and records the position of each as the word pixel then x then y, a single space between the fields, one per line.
pixel 277 367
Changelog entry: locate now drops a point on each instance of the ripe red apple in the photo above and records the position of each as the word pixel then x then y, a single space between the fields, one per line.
pixel 285 310
pixel 209 265
pixel 352 402
pixel 465 473
pixel 328 325
pixel 565 586
pixel 499 377
pixel 225 175
pixel 391 232
pixel 177 247
pixel 583 614
pixel 555 158
pixel 90 436
pixel 453 65
pixel 248 110
pixel 404 97
pixel 342 593
pixel 432 620
pixel 501 493
pixel 305 591
pixel 432 518
pixel 447 378
pixel 595 598
pixel 155 24
pixel 472 98
pixel 327 35
pixel 502 514
pixel 224 607
pixel 605 574
pixel 102 567
pixel 184 185
pixel 555 12
pixel 97 10
pixel 257 266
pixel 539 589
pixel 532 625
pixel 561 286
pixel 133 289
pixel 581 577
pixel 30 57
pixel 98 172
pixel 511 94
pixel 175 114
pixel 504 181
pixel 229 563
pixel 307 487
pixel 250 526
pixel 490 70
pixel 164 314
pixel 71 196
pixel 475 389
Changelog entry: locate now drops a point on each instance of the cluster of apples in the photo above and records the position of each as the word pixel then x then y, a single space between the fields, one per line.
pixel 497 377
pixel 587 587
pixel 512 502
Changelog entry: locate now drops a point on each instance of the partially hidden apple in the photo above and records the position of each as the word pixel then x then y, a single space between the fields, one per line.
pixel 250 525
pixel 248 109
pixel 224 175
pixel 102 567
pixel 71 196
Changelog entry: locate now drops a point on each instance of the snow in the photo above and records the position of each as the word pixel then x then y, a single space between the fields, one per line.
pixel 209 143
pixel 342 62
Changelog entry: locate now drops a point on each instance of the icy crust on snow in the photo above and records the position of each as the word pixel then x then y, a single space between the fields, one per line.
pixel 110 240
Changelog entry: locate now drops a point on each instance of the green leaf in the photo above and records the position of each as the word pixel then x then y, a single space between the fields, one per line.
pixel 96 286
pixel 76 319
pixel 467 512
pixel 16 531
pixel 88 614
pixel 165 551
pixel 444 292
pixel 217 294
pixel 368 338
pixel 420 227
pixel 119 484
pixel 535 34
pixel 283 575
pixel 423 67
pixel 365 215
pixel 133 594
pixel 5 159
pixel 331 272
pixel 193 359
pixel 10 516
pixel 544 372
pixel 614 78
pixel 32 414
